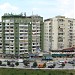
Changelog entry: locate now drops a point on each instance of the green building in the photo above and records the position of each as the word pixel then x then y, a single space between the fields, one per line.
pixel 22 34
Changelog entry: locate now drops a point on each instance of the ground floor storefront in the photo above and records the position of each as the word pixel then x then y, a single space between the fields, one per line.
pixel 62 55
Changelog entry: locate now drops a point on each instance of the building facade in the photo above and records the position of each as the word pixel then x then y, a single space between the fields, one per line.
pixel 59 33
pixel 1 37
pixel 21 34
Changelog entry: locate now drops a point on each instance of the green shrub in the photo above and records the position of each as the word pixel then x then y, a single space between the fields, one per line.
pixel 0 62
pixel 25 62
pixel 44 65
pixel 8 63
pixel 35 64
pixel 63 64
pixel 17 63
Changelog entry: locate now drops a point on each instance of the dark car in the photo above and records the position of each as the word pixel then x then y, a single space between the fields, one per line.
pixel 71 62
pixel 11 65
pixel 3 65
pixel 51 66
pixel 33 67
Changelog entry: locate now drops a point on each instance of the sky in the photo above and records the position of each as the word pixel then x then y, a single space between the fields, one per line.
pixel 44 8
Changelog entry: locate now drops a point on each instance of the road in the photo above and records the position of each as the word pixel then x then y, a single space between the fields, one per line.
pixel 21 65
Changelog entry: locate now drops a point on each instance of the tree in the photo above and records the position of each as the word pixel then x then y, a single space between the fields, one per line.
pixel 0 62
pixel 73 65
pixel 25 62
pixel 35 64
pixel 44 65
pixel 63 65
pixel 54 64
pixel 17 63
pixel 8 63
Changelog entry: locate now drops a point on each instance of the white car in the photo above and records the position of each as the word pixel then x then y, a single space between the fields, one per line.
pixel 60 62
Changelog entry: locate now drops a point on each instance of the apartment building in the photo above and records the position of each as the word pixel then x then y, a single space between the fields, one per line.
pixel 22 34
pixel 1 37
pixel 59 33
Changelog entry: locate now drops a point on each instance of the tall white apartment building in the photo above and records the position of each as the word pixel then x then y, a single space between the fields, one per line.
pixel 59 33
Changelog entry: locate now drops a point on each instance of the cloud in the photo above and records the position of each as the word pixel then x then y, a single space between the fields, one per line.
pixel 54 7
pixel 35 9
pixel 43 2
pixel 66 7
pixel 70 14
pixel 65 2
pixel 40 2
pixel 74 8
pixel 45 8
pixel 7 7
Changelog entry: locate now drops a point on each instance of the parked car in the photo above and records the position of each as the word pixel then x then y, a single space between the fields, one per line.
pixel 71 62
pixel 11 65
pixel 41 65
pixel 20 60
pixel 51 66
pixel 73 59
pixel 33 67
pixel 60 62
pixel 3 65
pixel 31 60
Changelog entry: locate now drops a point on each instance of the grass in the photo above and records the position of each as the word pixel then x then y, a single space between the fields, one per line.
pixel 13 71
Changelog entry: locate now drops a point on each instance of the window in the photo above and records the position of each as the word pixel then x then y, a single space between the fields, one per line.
pixel 22 51
pixel 20 44
pixel 11 34
pixel 6 44
pixel 12 51
pixel 21 30
pixel 21 47
pixel 21 37
pixel 11 40
pixel 0 43
pixel 0 47
pixel 11 27
pixel 11 37
pixel 7 27
pixel 11 47
pixel 33 43
pixel 11 30
pixel 33 50
pixel 7 37
pixel 25 43
pixel 11 23
pixel 25 50
pixel 34 47
pixel 60 33
pixel 7 30
pixel 7 23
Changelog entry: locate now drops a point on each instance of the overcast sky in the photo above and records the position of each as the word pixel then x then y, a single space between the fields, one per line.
pixel 44 8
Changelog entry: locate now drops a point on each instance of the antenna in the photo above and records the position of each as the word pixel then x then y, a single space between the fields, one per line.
pixel 32 13
pixel 25 14
pixel 32 16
